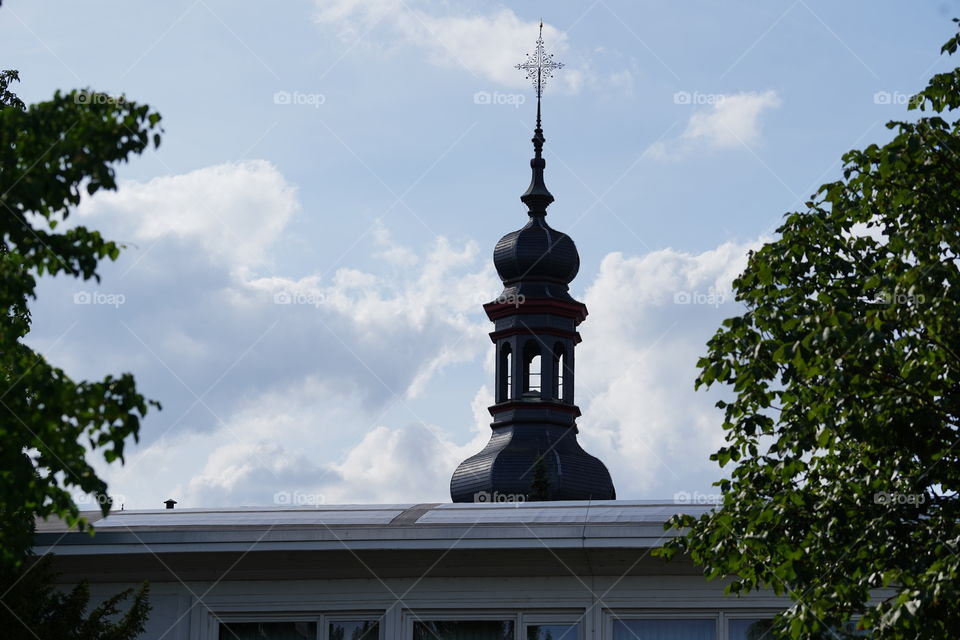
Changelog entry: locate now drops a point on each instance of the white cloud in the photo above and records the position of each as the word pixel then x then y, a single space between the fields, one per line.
pixel 235 211
pixel 488 45
pixel 391 251
pixel 270 451
pixel 365 11
pixel 258 395
pixel 732 121
pixel 650 319
pixel 312 399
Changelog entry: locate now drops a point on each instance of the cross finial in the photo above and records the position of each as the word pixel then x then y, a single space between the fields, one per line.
pixel 539 65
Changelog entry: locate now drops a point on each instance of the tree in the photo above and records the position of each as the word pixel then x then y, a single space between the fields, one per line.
pixel 51 152
pixel 844 433
pixel 34 608
pixel 540 485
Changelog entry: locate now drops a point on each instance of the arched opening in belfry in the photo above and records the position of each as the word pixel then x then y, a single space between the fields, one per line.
pixel 558 354
pixel 532 363
pixel 505 391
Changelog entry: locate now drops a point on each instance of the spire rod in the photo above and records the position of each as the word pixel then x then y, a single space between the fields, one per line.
pixel 539 67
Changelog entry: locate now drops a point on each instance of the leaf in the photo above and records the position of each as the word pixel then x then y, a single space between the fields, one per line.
pixel 841 406
pixel 45 454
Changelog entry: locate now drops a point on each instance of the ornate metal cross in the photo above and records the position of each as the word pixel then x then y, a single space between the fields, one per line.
pixel 539 65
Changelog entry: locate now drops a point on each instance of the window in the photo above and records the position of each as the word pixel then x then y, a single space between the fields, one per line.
pixel 552 632
pixel 533 383
pixel 286 630
pixel 760 629
pixel 664 629
pixel 300 630
pixel 354 630
pixel 531 366
pixel 506 373
pixel 750 629
pixel 463 630
pixel 558 354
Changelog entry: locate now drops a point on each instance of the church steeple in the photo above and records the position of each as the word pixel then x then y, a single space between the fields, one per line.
pixel 533 451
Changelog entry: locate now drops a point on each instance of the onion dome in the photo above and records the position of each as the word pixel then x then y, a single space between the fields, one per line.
pixel 537 260
pixel 536 252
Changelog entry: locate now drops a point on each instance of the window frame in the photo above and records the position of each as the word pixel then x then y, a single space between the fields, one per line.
pixel 661 614
pixel 321 618
pixel 409 616
pixel 213 629
pixel 753 614
pixel 546 618
pixel 532 348
pixel 520 618
pixel 749 614
pixel 352 617
pixel 559 362
pixel 505 369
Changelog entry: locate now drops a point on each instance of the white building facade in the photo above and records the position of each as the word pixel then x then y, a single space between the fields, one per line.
pixel 471 571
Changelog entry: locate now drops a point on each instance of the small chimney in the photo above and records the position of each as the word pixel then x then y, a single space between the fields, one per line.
pixel 170 503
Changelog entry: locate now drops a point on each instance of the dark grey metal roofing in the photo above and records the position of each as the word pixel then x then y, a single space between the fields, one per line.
pixel 619 523
pixel 536 252
pixel 504 467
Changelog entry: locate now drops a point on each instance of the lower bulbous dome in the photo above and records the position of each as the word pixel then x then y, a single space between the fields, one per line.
pixel 504 468
pixel 536 252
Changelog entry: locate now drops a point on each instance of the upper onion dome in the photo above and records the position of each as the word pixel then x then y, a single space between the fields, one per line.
pixel 536 252
pixel 537 258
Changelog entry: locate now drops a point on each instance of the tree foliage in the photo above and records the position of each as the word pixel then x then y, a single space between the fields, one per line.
pixel 844 434
pixel 540 485
pixel 34 608
pixel 51 154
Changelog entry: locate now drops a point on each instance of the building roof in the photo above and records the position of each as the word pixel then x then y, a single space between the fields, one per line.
pixel 615 523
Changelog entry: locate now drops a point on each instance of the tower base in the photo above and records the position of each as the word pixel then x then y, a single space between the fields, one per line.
pixel 506 468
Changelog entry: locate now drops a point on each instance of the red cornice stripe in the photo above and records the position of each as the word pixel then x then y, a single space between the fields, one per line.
pixel 575 310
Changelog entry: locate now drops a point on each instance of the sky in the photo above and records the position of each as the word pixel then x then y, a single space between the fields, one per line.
pixel 308 250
